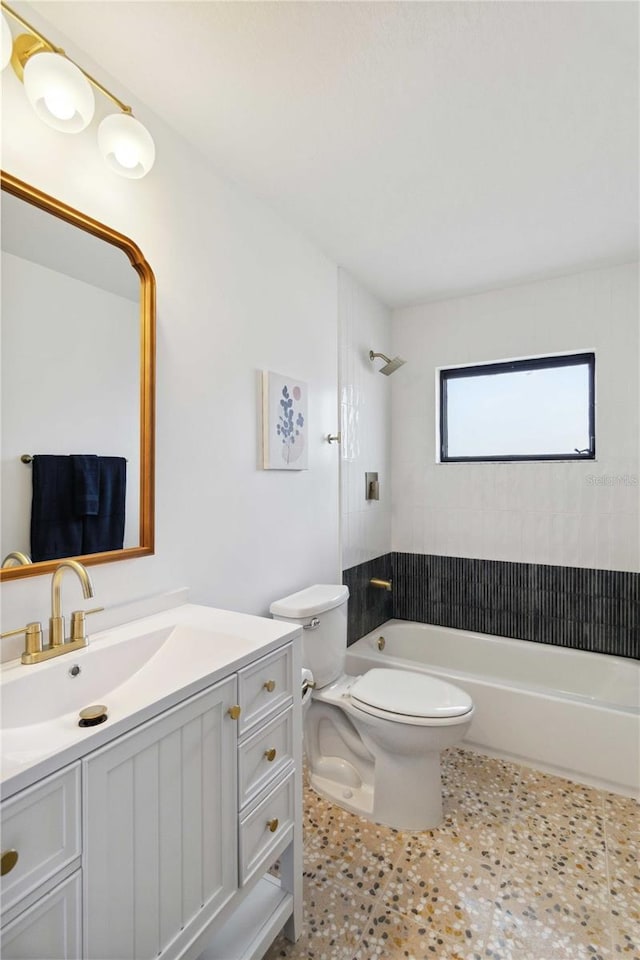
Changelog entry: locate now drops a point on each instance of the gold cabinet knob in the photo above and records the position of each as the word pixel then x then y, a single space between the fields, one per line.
pixel 270 754
pixel 273 824
pixel 269 685
pixel 10 858
pixel 234 712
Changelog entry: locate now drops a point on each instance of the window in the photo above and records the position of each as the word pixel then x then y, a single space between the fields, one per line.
pixel 535 409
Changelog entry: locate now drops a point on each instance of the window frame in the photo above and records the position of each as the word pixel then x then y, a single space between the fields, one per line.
pixel 512 366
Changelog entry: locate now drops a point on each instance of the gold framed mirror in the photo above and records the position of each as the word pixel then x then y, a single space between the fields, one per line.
pixel 78 355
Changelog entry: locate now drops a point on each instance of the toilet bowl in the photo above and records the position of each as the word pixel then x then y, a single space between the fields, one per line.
pixel 373 742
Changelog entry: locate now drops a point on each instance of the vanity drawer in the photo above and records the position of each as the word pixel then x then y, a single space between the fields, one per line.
pixel 264 756
pixel 50 928
pixel 266 827
pixel 42 824
pixel 265 686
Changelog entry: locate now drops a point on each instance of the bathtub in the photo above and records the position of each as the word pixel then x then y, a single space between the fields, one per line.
pixel 571 713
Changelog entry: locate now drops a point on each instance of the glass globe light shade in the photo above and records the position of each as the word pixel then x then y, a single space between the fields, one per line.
pixel 6 42
pixel 126 145
pixel 59 92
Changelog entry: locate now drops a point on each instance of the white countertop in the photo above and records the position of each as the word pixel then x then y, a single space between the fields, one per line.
pixel 168 657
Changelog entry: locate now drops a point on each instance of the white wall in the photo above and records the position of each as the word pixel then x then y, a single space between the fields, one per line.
pixel 365 418
pixel 531 512
pixel 70 384
pixel 238 292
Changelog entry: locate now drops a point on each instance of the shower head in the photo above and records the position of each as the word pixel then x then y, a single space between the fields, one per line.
pixel 390 366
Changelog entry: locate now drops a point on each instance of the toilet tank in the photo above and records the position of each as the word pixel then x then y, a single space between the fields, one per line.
pixel 324 644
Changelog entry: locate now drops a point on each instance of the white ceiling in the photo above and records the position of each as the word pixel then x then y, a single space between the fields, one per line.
pixel 431 148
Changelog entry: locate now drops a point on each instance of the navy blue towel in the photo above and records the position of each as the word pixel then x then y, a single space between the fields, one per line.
pixel 78 505
pixel 56 531
pixel 86 482
pixel 105 530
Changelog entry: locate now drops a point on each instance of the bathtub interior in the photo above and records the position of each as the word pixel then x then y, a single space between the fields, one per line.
pixel 522 664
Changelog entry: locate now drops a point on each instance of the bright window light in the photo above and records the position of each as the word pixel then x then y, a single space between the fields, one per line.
pixel 534 409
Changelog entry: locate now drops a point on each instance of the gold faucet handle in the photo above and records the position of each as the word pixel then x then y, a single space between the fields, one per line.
pixel 33 634
pixel 78 622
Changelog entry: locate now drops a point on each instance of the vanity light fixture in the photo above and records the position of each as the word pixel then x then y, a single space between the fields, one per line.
pixel 61 93
pixel 58 92
pixel 126 145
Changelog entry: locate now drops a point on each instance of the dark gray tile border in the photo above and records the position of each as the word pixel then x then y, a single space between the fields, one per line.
pixel 368 606
pixel 576 607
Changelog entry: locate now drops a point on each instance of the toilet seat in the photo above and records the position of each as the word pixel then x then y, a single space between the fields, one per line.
pixel 406 696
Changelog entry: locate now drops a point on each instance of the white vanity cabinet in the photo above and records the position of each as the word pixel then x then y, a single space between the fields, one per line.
pixel 182 818
pixel 161 837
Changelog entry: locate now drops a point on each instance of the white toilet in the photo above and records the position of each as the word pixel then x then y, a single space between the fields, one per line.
pixel 373 742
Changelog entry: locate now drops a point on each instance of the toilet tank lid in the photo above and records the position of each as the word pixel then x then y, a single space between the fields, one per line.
pixel 306 603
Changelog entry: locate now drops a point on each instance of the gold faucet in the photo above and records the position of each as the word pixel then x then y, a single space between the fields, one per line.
pixel 16 558
pixel 56 620
pixel 34 651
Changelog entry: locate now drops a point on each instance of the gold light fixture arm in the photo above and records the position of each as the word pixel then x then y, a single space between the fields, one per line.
pixel 25 49
pixel 25 23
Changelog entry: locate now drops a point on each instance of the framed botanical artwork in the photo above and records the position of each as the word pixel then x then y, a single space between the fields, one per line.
pixel 284 422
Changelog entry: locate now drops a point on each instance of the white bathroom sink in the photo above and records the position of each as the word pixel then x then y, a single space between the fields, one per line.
pixel 74 681
pixel 135 670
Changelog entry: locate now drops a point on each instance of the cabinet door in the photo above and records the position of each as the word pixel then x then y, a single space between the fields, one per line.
pixel 160 830
pixel 48 930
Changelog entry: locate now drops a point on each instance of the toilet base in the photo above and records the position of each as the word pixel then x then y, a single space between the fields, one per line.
pixel 358 800
pixel 385 770
pixel 421 804
pixel 421 786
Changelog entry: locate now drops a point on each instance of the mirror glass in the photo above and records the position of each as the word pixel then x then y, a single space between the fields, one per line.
pixel 77 387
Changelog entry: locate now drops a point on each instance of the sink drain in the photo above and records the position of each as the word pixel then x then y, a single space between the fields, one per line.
pixel 93 715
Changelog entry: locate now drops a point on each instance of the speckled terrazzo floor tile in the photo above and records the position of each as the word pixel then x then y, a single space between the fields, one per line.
pixel 334 921
pixel 467 834
pixel 478 797
pixel 493 799
pixel 518 941
pixel 624 884
pixel 316 813
pixel 543 793
pixel 556 913
pixel 522 861
pixel 391 936
pixel 459 765
pixel 343 826
pixel 452 896
pixel 351 850
pixel 572 847
pixel 626 942
pixel 622 812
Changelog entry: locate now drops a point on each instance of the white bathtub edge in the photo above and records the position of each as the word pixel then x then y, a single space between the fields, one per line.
pixel 564 772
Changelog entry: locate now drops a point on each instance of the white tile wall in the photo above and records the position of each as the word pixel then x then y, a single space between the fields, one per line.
pixel 365 415
pixel 530 512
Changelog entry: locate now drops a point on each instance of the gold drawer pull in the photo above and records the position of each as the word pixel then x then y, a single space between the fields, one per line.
pixel 10 858
pixel 269 685
pixel 273 824
pixel 270 754
pixel 234 712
